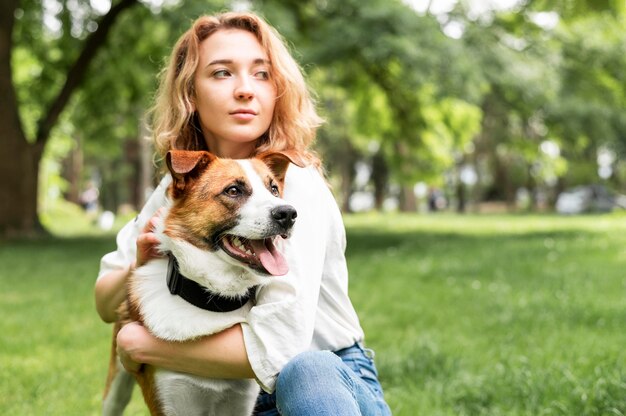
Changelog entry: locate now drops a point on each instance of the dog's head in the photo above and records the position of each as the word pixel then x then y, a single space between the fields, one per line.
pixel 230 209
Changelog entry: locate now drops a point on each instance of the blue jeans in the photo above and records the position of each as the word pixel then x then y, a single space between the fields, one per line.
pixel 324 383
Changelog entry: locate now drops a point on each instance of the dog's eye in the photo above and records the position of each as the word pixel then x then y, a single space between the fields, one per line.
pixel 274 189
pixel 232 191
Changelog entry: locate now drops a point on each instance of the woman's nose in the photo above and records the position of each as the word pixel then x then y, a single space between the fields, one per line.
pixel 244 90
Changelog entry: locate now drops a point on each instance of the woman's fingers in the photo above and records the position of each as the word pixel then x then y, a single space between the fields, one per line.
pixel 147 241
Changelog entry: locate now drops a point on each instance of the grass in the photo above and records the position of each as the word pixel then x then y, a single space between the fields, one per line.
pixel 494 315
pixel 469 315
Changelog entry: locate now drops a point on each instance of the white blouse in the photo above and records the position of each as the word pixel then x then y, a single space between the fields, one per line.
pixel 309 307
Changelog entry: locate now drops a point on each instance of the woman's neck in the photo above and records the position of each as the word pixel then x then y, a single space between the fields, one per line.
pixel 231 150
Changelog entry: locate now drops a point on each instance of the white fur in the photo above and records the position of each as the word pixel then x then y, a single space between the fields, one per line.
pixel 186 395
pixel 255 214
pixel 120 392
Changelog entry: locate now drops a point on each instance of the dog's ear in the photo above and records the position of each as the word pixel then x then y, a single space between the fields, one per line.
pixel 279 161
pixel 186 165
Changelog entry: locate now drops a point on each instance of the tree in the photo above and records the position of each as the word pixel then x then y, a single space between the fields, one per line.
pixel 381 46
pixel 518 80
pixel 22 152
pixel 592 95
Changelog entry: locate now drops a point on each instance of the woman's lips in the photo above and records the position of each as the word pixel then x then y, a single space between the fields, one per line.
pixel 243 114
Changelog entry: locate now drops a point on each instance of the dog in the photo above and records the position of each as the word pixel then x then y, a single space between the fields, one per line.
pixel 221 231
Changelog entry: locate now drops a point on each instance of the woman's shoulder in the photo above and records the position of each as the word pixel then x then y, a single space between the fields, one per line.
pixel 307 185
pixel 307 177
pixel 160 192
pixel 157 199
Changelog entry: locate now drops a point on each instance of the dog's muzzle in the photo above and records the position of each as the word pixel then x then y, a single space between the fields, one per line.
pixel 284 216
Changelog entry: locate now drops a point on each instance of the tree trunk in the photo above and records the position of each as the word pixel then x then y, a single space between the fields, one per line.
pixel 73 171
pixel 348 173
pixel 502 183
pixel 19 160
pixel 408 201
pixel 380 178
pixel 461 197
pixel 131 179
pixel 19 170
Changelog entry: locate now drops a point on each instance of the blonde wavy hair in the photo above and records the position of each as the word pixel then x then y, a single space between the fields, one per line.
pixel 174 122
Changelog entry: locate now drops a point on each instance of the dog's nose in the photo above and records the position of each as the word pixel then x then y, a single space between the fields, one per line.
pixel 284 215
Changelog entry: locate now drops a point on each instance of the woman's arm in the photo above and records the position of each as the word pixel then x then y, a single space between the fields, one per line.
pixel 110 288
pixel 110 291
pixel 222 355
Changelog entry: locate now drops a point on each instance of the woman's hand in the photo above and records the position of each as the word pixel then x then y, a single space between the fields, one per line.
pixel 147 241
pixel 132 341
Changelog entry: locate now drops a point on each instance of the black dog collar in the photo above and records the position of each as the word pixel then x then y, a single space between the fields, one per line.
pixel 198 295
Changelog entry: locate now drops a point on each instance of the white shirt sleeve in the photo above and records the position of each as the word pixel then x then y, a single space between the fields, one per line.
pixel 126 239
pixel 286 317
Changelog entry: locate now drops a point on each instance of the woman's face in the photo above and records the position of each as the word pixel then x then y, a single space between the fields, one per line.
pixel 234 92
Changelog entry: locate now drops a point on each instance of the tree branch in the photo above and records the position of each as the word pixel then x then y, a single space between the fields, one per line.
pixel 78 70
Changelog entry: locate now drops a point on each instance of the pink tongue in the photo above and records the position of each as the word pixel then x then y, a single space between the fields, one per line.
pixel 271 259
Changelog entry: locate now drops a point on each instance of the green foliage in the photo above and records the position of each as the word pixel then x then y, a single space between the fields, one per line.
pixel 593 90
pixel 386 53
pixel 390 82
pixel 109 109
pixel 47 39
pixel 451 124
pixel 27 67
pixel 56 150
pixel 572 9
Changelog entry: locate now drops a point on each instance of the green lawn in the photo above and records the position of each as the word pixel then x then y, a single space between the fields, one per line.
pixel 475 315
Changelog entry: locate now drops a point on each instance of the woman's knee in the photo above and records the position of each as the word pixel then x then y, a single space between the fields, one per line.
pixel 309 366
pixel 315 382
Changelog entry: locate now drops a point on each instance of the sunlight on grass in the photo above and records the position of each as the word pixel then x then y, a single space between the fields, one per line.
pixel 469 315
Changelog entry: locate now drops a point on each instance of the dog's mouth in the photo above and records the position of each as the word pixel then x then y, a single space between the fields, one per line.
pixel 261 255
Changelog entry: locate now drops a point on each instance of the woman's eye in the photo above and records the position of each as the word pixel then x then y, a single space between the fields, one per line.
pixel 221 73
pixel 233 191
pixel 263 75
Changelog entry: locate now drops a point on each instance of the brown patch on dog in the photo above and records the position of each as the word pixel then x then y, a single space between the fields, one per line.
pixel 272 167
pixel 278 162
pixel 209 204
pixel 129 312
pixel 268 177
pixel 185 166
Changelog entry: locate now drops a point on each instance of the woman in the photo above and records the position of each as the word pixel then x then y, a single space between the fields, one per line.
pixel 232 88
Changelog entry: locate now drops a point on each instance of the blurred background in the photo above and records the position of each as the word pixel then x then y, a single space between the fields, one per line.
pixel 462 140
pixel 430 105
